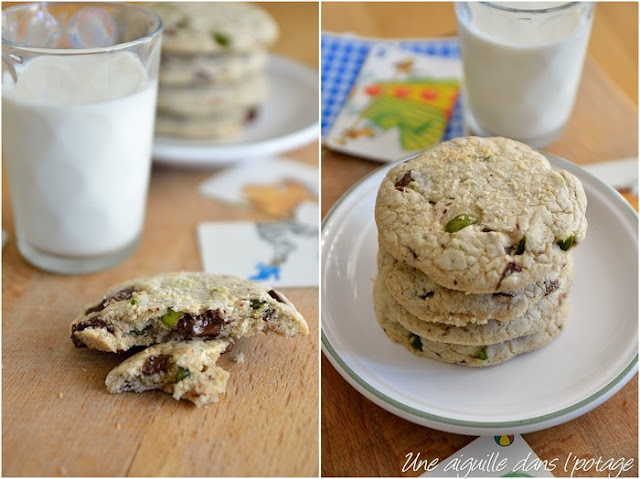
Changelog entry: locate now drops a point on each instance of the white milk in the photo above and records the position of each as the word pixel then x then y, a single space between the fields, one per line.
pixel 521 76
pixel 77 150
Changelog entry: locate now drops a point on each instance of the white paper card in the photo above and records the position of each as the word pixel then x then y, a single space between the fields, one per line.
pixel 280 253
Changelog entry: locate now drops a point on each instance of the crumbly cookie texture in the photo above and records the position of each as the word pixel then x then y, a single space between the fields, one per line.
pixel 429 301
pixel 214 27
pixel 481 215
pixel 472 356
pixel 183 306
pixel 185 369
pixel 185 70
pixel 213 99
pixel 536 319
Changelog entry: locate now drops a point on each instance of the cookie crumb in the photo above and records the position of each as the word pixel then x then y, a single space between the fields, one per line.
pixel 60 395
pixel 238 358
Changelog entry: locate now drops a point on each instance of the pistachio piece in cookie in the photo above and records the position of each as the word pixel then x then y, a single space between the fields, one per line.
pixel 185 369
pixel 183 306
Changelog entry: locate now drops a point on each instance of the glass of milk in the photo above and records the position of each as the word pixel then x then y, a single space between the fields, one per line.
pixel 79 85
pixel 522 65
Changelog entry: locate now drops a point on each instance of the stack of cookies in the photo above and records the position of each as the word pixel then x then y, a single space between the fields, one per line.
pixel 475 261
pixel 212 74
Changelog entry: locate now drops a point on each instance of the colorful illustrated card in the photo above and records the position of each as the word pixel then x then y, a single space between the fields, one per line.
pixel 400 103
pixel 280 253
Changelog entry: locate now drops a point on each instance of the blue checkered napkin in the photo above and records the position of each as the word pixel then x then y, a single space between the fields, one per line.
pixel 342 57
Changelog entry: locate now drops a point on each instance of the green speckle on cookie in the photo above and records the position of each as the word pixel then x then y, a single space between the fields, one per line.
pixel 415 341
pixel 459 222
pixel 171 318
pixel 521 245
pixel 482 355
pixel 566 244
pixel 134 301
pixel 182 373
pixel 256 303
pixel 221 39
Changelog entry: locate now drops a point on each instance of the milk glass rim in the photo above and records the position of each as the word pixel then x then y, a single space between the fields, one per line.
pixel 81 51
pixel 534 11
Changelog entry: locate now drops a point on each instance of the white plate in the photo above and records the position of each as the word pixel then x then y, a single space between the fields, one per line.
pixel 287 120
pixel 591 360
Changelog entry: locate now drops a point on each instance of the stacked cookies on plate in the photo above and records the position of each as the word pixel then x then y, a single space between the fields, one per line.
pixel 212 74
pixel 475 259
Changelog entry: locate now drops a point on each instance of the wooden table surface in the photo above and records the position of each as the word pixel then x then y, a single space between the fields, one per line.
pixel 360 438
pixel 57 417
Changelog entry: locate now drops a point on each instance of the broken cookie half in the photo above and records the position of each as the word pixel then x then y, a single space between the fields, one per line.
pixel 183 306
pixel 185 369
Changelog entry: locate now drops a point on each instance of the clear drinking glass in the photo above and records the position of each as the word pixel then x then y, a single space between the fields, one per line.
pixel 79 84
pixel 522 64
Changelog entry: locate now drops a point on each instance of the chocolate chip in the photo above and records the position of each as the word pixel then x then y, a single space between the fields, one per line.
pixel 509 270
pixel 208 323
pixel 404 181
pixel 229 348
pixel 508 295
pixel 203 76
pixel 156 364
pixel 508 249
pixel 432 202
pixel 121 295
pixel 550 286
pixel 266 316
pixel 427 294
pixel 413 253
pixel 487 230
pixel 252 113
pixel 274 294
pixel 95 323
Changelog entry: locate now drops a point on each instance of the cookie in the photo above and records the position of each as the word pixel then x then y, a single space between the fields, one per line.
pixel 536 319
pixel 214 27
pixel 429 301
pixel 184 369
pixel 187 70
pixel 212 99
pixel 183 306
pixel 215 127
pixel 473 356
pixel 481 215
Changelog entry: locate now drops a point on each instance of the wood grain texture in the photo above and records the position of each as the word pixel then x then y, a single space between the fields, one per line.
pixel 360 438
pixel 58 418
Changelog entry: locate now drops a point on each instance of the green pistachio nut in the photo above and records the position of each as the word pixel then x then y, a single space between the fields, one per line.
pixel 182 373
pixel 256 303
pixel 482 355
pixel 221 39
pixel 566 244
pixel 171 318
pixel 415 341
pixel 459 222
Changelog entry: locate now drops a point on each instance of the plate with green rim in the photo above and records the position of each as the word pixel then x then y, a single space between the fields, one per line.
pixel 592 359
